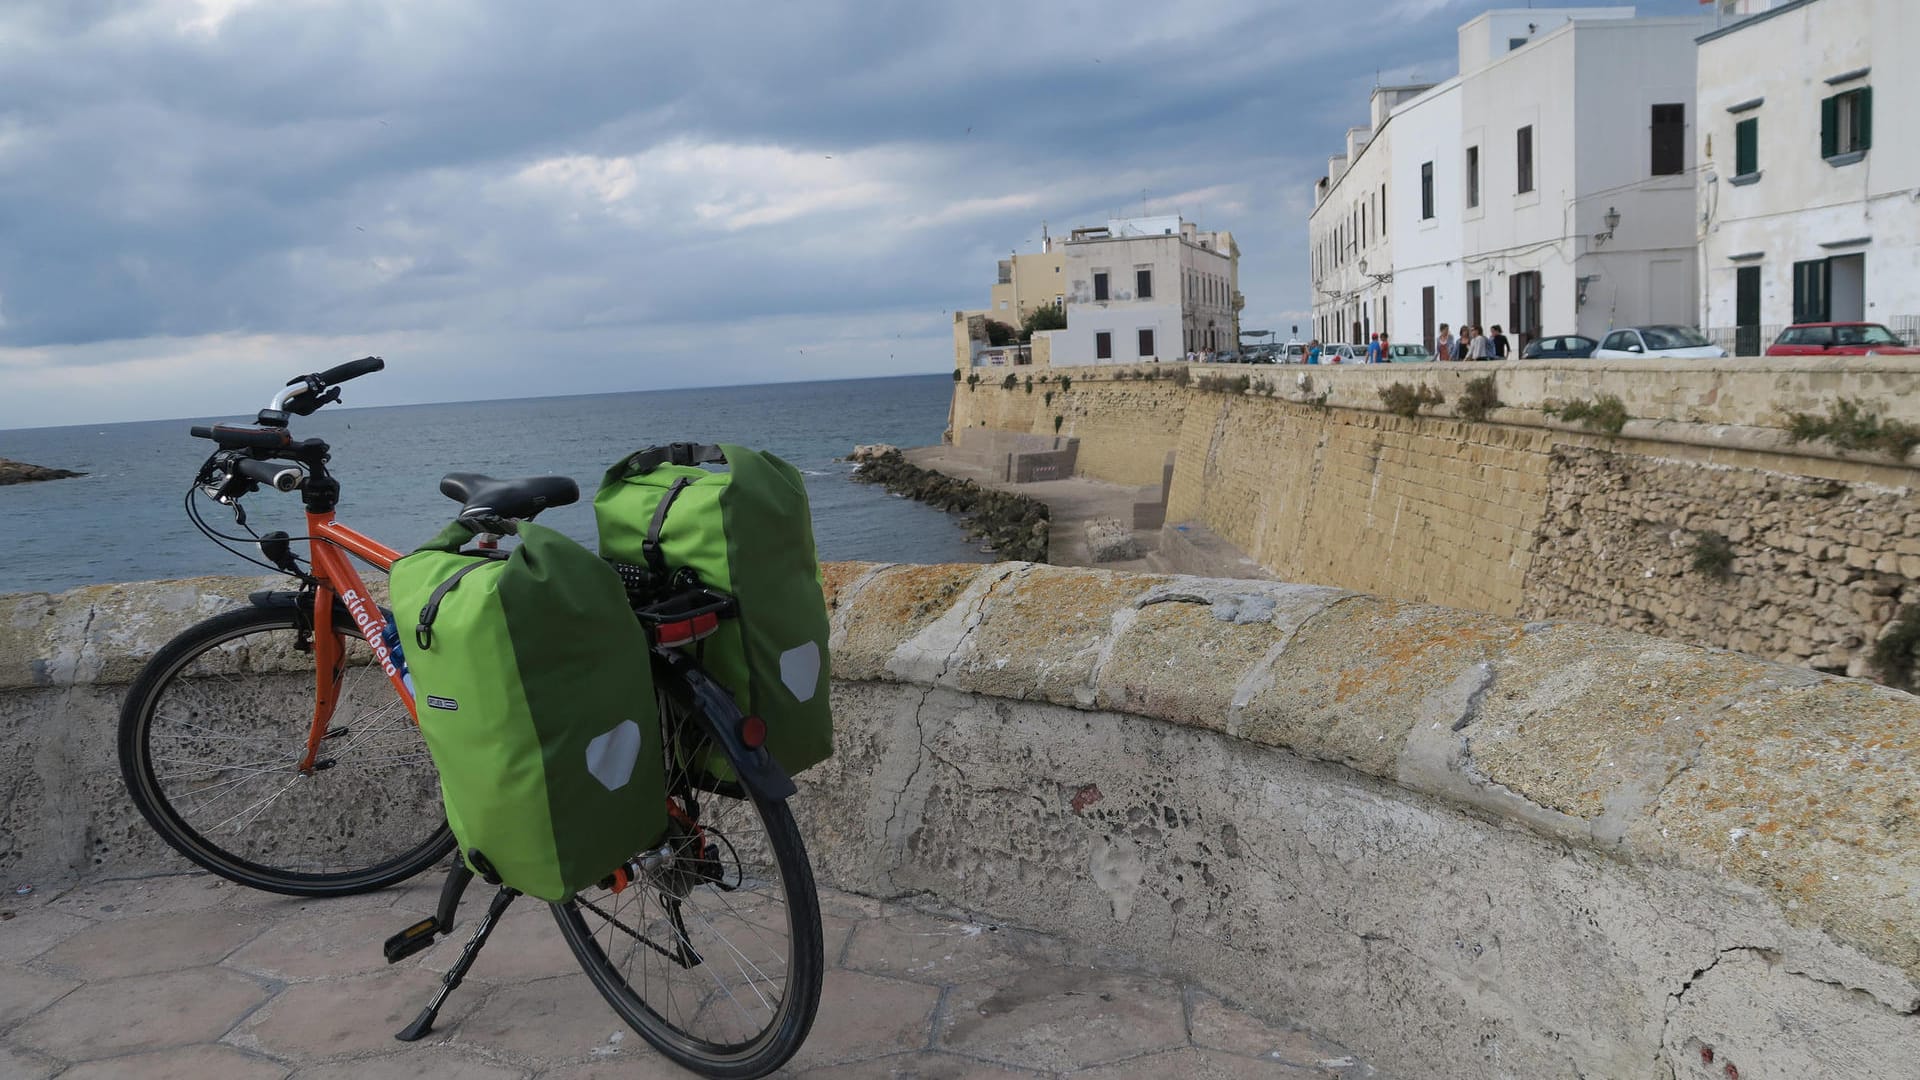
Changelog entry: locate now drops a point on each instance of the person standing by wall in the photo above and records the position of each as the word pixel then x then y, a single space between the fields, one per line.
pixel 1500 346
pixel 1480 348
pixel 1373 349
pixel 1386 350
pixel 1313 351
pixel 1443 344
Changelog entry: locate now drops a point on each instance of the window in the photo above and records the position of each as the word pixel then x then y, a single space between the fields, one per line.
pixel 1146 343
pixel 1383 212
pixel 1746 147
pixel 1099 284
pixel 1143 284
pixel 1669 139
pixel 1515 42
pixel 1523 153
pixel 1812 281
pixel 1523 307
pixel 1103 346
pixel 1619 340
pixel 1846 125
pixel 1426 191
pixel 1473 302
pixel 1473 177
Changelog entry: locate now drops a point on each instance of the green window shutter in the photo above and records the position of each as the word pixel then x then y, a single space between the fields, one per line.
pixel 1829 127
pixel 1746 151
pixel 1863 118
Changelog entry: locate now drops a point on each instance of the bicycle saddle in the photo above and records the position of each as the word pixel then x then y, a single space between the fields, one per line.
pixel 483 496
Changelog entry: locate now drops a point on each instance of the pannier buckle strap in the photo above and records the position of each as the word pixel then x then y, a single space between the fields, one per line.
pixel 679 453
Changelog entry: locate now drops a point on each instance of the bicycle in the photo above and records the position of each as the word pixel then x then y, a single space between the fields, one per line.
pixel 308 776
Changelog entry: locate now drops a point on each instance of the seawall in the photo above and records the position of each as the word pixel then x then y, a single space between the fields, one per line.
pixel 1522 513
pixel 1467 845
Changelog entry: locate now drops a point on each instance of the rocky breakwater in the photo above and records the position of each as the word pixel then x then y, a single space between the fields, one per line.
pixel 1013 526
pixel 19 472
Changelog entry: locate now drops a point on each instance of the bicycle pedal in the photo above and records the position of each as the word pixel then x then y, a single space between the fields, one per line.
pixel 411 940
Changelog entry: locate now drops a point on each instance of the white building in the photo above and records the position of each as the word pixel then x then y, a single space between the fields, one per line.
pixel 1810 205
pixel 1546 188
pixel 1149 288
pixel 1349 232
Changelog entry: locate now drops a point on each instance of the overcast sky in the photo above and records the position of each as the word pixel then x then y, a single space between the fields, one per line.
pixel 199 198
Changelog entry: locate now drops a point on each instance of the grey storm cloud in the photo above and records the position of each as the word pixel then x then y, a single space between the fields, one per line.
pixel 178 177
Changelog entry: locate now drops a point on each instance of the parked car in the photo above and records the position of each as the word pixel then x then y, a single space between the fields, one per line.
pixel 1555 346
pixel 1643 341
pixel 1841 339
pixel 1408 354
pixel 1336 353
pixel 1296 353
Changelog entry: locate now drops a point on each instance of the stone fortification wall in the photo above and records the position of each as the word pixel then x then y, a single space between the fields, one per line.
pixel 1468 846
pixel 1528 514
pixel 1809 569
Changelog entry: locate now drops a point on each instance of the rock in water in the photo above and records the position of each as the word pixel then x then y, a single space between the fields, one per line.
pixel 19 472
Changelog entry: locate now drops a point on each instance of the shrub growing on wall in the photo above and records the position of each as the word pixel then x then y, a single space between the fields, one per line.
pixel 1479 398
pixel 1850 425
pixel 1029 384
pixel 1712 555
pixel 1605 413
pixel 1066 383
pixel 1057 421
pixel 1404 400
pixel 973 379
pixel 1010 381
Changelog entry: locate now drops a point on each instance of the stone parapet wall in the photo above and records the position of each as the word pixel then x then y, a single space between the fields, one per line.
pixel 1465 845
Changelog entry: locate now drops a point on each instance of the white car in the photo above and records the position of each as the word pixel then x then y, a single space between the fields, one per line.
pixel 1640 341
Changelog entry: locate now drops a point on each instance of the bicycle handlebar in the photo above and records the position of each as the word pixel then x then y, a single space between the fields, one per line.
pixel 352 369
pixel 277 477
pixel 233 438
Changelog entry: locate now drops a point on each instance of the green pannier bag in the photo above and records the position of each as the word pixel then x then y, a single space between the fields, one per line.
pixel 539 717
pixel 746 532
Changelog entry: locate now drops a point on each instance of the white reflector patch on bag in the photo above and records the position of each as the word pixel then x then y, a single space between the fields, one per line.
pixel 610 757
pixel 800 670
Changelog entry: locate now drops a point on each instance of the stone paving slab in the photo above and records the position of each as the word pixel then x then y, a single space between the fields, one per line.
pixel 186 977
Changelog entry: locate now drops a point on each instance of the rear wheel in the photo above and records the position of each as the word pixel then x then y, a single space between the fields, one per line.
pixel 211 735
pixel 713 953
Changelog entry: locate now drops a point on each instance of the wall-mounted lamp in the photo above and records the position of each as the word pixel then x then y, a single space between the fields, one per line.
pixel 1612 221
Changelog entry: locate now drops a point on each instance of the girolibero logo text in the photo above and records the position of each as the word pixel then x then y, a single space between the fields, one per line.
pixel 372 627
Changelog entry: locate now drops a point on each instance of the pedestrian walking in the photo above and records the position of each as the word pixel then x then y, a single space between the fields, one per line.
pixel 1480 348
pixel 1443 344
pixel 1386 349
pixel 1373 348
pixel 1499 343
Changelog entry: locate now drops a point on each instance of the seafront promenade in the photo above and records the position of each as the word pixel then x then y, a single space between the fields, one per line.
pixel 186 977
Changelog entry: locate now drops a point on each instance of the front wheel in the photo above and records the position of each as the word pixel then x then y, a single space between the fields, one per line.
pixel 713 953
pixel 211 736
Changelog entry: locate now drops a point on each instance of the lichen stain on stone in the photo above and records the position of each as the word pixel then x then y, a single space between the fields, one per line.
pixel 836 576
pixel 1141 674
pixel 1398 646
pixel 1053 615
pixel 1752 809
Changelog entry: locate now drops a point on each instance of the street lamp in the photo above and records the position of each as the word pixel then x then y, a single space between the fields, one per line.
pixel 1612 222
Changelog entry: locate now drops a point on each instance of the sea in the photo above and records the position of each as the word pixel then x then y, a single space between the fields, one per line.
pixel 126 519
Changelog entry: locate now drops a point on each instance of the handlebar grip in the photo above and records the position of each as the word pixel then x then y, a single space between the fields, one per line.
pixel 352 369
pixel 233 438
pixel 200 431
pixel 278 477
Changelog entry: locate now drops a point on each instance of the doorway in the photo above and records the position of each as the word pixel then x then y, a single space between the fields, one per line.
pixel 1746 311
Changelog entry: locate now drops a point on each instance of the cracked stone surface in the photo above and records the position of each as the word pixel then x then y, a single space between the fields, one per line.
pixel 214 982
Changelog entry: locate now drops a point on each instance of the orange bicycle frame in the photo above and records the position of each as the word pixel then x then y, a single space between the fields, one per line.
pixel 335 578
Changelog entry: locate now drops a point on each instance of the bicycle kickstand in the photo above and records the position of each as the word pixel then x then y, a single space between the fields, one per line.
pixel 423 1023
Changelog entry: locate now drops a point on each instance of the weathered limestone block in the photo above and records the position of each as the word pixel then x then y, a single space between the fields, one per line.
pixel 1111 540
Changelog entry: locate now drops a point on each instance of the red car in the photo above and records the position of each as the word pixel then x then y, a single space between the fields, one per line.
pixel 1839 338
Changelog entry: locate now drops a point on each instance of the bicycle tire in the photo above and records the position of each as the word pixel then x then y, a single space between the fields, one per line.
pixel 337 804
pixel 650 1011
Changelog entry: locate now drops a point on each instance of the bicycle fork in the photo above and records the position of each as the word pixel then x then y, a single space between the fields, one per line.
pixel 421 934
